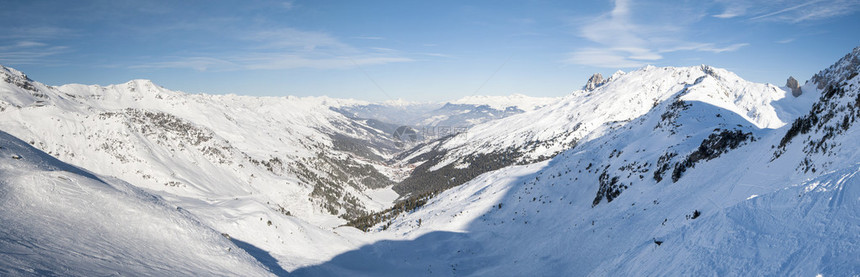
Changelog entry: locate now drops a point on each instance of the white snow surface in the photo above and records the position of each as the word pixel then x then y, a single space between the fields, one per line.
pixel 58 219
pixel 583 116
pixel 542 219
pixel 550 218
pixel 198 152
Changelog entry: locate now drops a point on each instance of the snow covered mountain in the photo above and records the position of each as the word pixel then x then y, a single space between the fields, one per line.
pixel 718 176
pixel 658 171
pixel 461 113
pixel 203 145
pixel 258 169
pixel 580 117
pixel 59 219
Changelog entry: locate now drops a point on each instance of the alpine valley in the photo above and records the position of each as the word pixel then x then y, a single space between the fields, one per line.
pixel 689 171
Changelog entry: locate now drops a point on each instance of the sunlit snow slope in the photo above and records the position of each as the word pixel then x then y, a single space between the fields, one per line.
pixel 60 220
pixel 585 115
pixel 277 173
pixel 716 176
pixel 659 171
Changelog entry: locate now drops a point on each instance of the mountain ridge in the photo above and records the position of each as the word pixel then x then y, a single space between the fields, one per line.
pixel 724 207
pixel 645 168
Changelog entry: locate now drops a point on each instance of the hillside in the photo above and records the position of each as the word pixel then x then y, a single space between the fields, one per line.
pixel 59 219
pixel 657 171
pixel 581 117
pixel 259 169
pixel 744 180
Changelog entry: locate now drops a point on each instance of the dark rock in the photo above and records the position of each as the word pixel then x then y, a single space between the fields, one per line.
pixel 794 86
pixel 594 82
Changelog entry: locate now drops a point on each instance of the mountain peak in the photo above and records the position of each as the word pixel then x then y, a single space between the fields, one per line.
pixel 846 68
pixel 142 85
pixel 13 76
pixel 11 71
pixel 594 81
pixel 141 82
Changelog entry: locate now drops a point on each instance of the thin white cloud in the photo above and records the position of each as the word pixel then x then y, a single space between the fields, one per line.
pixel 368 37
pixel 36 33
pixel 28 44
pixel 288 5
pixel 270 62
pixel 788 11
pixel 728 14
pixel 602 57
pixel 641 54
pixel 732 8
pixel 784 41
pixel 704 47
pixel 785 10
pixel 285 48
pixel 440 55
pixel 828 11
pixel 196 63
pixel 623 43
pixel 259 61
pixel 29 52
pixel 293 61
pixel 33 44
pixel 295 40
pixel 383 49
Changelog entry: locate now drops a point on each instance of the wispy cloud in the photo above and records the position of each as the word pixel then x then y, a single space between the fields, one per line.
pixel 732 11
pixel 36 33
pixel 284 48
pixel 257 61
pixel 784 41
pixel 196 63
pixel 728 14
pixel 704 47
pixel 790 11
pixel 624 43
pixel 602 57
pixel 295 40
pixel 28 52
pixel 383 49
pixel 288 5
pixel 784 11
pixel 288 61
pixel 732 8
pixel 439 55
pixel 368 37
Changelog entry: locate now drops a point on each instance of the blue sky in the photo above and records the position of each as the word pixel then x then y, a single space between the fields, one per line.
pixel 414 50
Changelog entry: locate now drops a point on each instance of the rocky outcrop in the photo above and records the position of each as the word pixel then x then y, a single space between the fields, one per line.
pixel 844 69
pixel 794 86
pixel 594 82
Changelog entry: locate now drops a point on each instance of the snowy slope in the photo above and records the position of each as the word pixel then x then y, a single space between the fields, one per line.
pixel 586 115
pixel 61 220
pixel 660 171
pixel 802 230
pixel 235 162
pixel 709 181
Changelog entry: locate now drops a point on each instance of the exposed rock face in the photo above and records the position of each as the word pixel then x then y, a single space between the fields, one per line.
pixel 844 69
pixel 795 88
pixel 594 82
